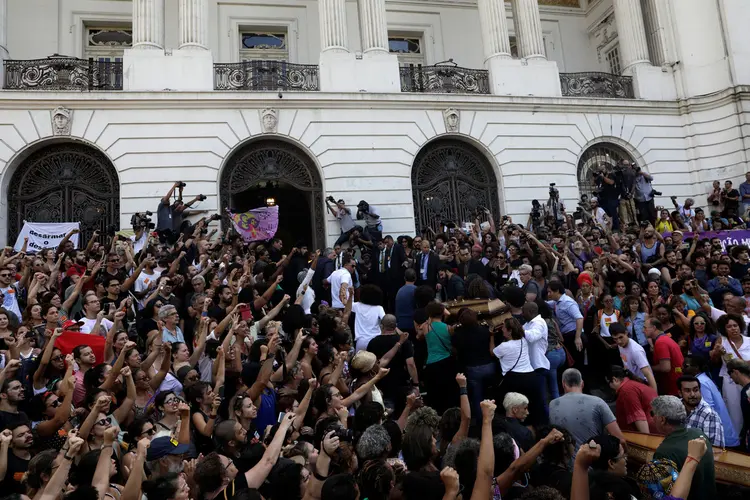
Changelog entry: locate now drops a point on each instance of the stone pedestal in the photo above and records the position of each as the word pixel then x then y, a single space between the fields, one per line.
pixel 514 77
pixel 153 71
pixel 375 72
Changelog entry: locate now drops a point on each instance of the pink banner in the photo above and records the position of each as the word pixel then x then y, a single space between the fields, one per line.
pixel 256 225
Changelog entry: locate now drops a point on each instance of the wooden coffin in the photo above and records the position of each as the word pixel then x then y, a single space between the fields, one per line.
pixel 731 467
pixel 491 312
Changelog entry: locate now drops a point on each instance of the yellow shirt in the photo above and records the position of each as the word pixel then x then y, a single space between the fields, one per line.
pixel 664 226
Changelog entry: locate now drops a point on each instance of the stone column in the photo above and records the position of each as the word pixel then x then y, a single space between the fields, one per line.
pixel 373 25
pixel 528 26
pixel 334 36
pixel 494 29
pixel 148 24
pixel 193 24
pixel 631 32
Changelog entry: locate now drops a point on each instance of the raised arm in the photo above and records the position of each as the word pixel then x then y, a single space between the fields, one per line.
pixel 104 464
pixel 526 461
pixel 46 356
pixel 62 413
pixel 291 358
pixel 463 429
pixel 59 478
pixel 115 371
pixel 365 388
pixel 486 461
pixel 122 412
pixel 263 300
pixel 132 490
pixel 166 362
pixel 257 475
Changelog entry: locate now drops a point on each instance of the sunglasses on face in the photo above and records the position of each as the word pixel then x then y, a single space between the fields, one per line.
pixel 58 358
pixel 149 432
pixel 174 401
pixel 103 422
pixel 6 275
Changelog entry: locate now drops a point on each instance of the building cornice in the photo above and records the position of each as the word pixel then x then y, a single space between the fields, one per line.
pixel 558 7
pixel 320 100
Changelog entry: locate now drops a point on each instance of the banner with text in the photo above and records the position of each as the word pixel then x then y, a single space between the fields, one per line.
pixel 45 235
pixel 728 238
pixel 256 225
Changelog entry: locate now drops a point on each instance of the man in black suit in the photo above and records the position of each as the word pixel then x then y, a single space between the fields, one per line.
pixel 426 264
pixel 467 265
pixel 390 263
pixel 324 268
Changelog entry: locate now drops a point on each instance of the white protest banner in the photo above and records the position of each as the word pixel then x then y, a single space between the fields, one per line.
pixel 45 235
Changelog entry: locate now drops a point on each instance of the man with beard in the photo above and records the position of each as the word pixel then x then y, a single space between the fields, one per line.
pixel 12 394
pixel 231 440
pixel 699 414
pixel 165 456
pixel 217 476
pixel 651 250
pixel 15 443
pixel 467 265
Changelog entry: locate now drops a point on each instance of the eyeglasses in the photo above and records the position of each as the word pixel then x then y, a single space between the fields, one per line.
pixel 6 275
pixel 174 401
pixel 103 422
pixel 149 432
pixel 699 323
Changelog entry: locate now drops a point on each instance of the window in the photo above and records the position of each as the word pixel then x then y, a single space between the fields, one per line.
pixel 107 44
pixel 269 45
pixel 408 48
pixel 613 60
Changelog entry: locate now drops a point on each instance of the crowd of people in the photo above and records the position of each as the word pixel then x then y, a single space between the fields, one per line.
pixel 187 363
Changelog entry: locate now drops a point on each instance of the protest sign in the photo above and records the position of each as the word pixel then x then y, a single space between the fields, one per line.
pixel 45 235
pixel 728 238
pixel 256 225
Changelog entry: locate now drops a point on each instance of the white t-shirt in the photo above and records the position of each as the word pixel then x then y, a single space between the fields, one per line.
pixel 600 216
pixel 309 297
pixel 88 325
pixel 366 323
pixel 10 301
pixel 145 281
pixel 337 278
pixel 606 320
pixel 634 358
pixel 139 244
pixel 508 353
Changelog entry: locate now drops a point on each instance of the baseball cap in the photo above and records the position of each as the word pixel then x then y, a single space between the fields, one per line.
pixel 70 324
pixel 162 446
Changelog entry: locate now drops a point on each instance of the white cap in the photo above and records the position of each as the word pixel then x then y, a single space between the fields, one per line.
pixel 654 271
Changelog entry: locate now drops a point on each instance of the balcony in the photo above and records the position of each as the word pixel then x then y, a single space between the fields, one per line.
pixel 444 78
pixel 604 85
pixel 62 73
pixel 266 76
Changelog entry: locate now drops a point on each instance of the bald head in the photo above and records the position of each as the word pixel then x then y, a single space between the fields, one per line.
pixel 530 310
pixel 388 323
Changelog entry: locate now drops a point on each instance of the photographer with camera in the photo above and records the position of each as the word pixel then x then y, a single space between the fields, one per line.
pixel 344 216
pixel 141 223
pixel 628 175
pixel 608 187
pixel 644 196
pixel 373 225
pixel 554 207
pixel 169 216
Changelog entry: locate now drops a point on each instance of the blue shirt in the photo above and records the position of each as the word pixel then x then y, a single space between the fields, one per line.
pixel 733 285
pixel 567 312
pixel 166 336
pixel 712 396
pixel 744 190
pixel 405 307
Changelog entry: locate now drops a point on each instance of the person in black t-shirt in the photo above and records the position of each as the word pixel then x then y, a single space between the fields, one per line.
pixel 16 442
pixel 403 377
pixel 731 199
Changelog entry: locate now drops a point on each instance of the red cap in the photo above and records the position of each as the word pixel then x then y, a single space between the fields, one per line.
pixel 70 323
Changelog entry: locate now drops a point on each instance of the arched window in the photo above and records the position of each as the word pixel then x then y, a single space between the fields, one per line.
pixel 266 169
pixel 603 153
pixel 450 181
pixel 67 182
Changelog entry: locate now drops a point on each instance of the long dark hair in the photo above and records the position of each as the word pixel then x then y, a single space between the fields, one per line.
pixel 515 329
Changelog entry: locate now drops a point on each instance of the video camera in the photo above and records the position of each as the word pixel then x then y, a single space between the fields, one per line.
pixel 142 220
pixel 331 199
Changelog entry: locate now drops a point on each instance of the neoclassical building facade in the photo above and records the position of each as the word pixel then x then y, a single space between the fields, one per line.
pixel 427 109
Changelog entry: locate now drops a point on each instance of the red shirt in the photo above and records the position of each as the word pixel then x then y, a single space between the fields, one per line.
pixel 666 348
pixel 634 404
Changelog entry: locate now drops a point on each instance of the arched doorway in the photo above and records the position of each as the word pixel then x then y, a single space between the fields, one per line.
pixel 601 153
pixel 269 168
pixel 65 182
pixel 450 181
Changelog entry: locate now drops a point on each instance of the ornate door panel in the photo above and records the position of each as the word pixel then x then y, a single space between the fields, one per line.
pixel 450 181
pixel 267 161
pixel 65 183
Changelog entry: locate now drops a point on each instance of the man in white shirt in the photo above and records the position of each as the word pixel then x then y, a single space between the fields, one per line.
pixel 146 281
pixel 304 277
pixel 535 330
pixel 632 354
pixel 598 213
pixel 8 292
pixel 91 308
pixel 341 281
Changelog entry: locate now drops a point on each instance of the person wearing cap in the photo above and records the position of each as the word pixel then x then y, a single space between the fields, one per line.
pixel 165 455
pixel 669 416
pixel 598 213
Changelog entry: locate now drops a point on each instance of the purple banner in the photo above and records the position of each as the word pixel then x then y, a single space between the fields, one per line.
pixel 256 225
pixel 728 238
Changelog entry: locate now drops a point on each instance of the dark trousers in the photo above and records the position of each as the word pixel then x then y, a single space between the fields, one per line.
pixel 345 235
pixel 611 206
pixel 646 211
pixel 440 384
pixel 570 344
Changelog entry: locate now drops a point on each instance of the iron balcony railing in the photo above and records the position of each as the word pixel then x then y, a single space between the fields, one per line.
pixel 62 73
pixel 266 75
pixel 605 85
pixel 444 78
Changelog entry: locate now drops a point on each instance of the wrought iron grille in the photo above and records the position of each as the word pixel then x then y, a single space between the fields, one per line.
pixel 65 183
pixel 597 85
pixel 444 78
pixel 603 154
pixel 266 75
pixel 63 73
pixel 451 180
pixel 272 161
